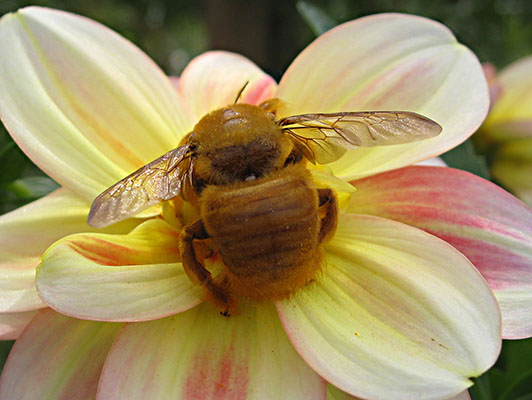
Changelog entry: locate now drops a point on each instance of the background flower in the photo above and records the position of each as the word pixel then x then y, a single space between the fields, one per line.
pixel 507 133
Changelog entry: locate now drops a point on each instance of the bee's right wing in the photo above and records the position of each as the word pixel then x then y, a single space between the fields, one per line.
pixel 157 181
pixel 324 138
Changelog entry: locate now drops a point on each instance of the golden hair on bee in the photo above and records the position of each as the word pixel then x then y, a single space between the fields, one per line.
pixel 245 173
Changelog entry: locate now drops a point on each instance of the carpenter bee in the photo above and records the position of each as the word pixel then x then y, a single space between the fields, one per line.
pixel 245 173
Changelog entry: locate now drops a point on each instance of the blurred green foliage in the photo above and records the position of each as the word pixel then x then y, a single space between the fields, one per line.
pixel 465 157
pixel 173 32
pixel 20 180
pixel 5 348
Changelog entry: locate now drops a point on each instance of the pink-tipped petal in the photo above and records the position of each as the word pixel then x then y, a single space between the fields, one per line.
pixel 462 396
pixel 397 314
pixel 12 324
pixel 27 232
pixel 200 354
pixel 175 81
pixel 390 62
pixel 490 226
pixel 86 105
pixel 214 79
pixel 133 277
pixel 57 358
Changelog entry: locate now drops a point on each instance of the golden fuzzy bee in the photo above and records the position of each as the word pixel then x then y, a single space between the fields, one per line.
pixel 245 173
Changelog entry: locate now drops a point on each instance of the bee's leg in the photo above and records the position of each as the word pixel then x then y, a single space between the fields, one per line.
pixel 329 207
pixel 197 272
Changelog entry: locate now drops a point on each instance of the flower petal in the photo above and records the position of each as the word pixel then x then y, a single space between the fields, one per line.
pixel 513 167
pixel 462 396
pixel 333 393
pixel 199 354
pixel 214 79
pixel 83 103
pixel 397 314
pixel 12 324
pixel 132 277
pixel 491 227
pixel 434 161
pixel 57 358
pixel 40 223
pixel 511 115
pixel 390 62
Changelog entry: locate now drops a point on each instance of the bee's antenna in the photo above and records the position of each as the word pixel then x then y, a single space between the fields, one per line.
pixel 240 92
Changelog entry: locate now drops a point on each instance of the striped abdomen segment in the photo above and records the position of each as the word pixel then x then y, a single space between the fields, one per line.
pixel 265 229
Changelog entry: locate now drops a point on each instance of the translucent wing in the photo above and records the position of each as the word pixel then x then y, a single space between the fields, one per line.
pixel 324 138
pixel 159 180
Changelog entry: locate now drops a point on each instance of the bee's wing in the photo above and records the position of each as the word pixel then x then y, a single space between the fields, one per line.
pixel 159 180
pixel 324 138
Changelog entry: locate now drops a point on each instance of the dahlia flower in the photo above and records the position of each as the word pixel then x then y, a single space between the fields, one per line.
pixel 397 313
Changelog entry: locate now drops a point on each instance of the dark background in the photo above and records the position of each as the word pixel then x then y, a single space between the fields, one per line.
pixel 272 33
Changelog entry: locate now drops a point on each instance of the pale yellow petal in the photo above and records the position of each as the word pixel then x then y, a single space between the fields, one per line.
pixel 106 277
pixel 397 314
pixel 200 354
pixel 12 324
pixel 86 105
pixel 27 232
pixel 485 223
pixel 390 62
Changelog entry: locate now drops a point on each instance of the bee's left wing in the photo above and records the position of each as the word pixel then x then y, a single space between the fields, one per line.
pixel 324 138
pixel 159 180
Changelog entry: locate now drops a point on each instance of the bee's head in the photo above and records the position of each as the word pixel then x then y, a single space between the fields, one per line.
pixel 237 143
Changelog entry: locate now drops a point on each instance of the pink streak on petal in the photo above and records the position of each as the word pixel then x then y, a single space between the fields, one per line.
pixel 494 258
pixel 401 75
pixel 105 253
pixel 261 91
pixel 446 191
pixel 229 377
pixel 174 80
pixel 424 214
pixel 57 357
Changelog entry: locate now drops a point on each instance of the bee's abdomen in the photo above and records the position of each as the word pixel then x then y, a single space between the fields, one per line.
pixel 266 230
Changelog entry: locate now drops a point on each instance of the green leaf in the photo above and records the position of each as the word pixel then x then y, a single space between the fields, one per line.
pixel 317 20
